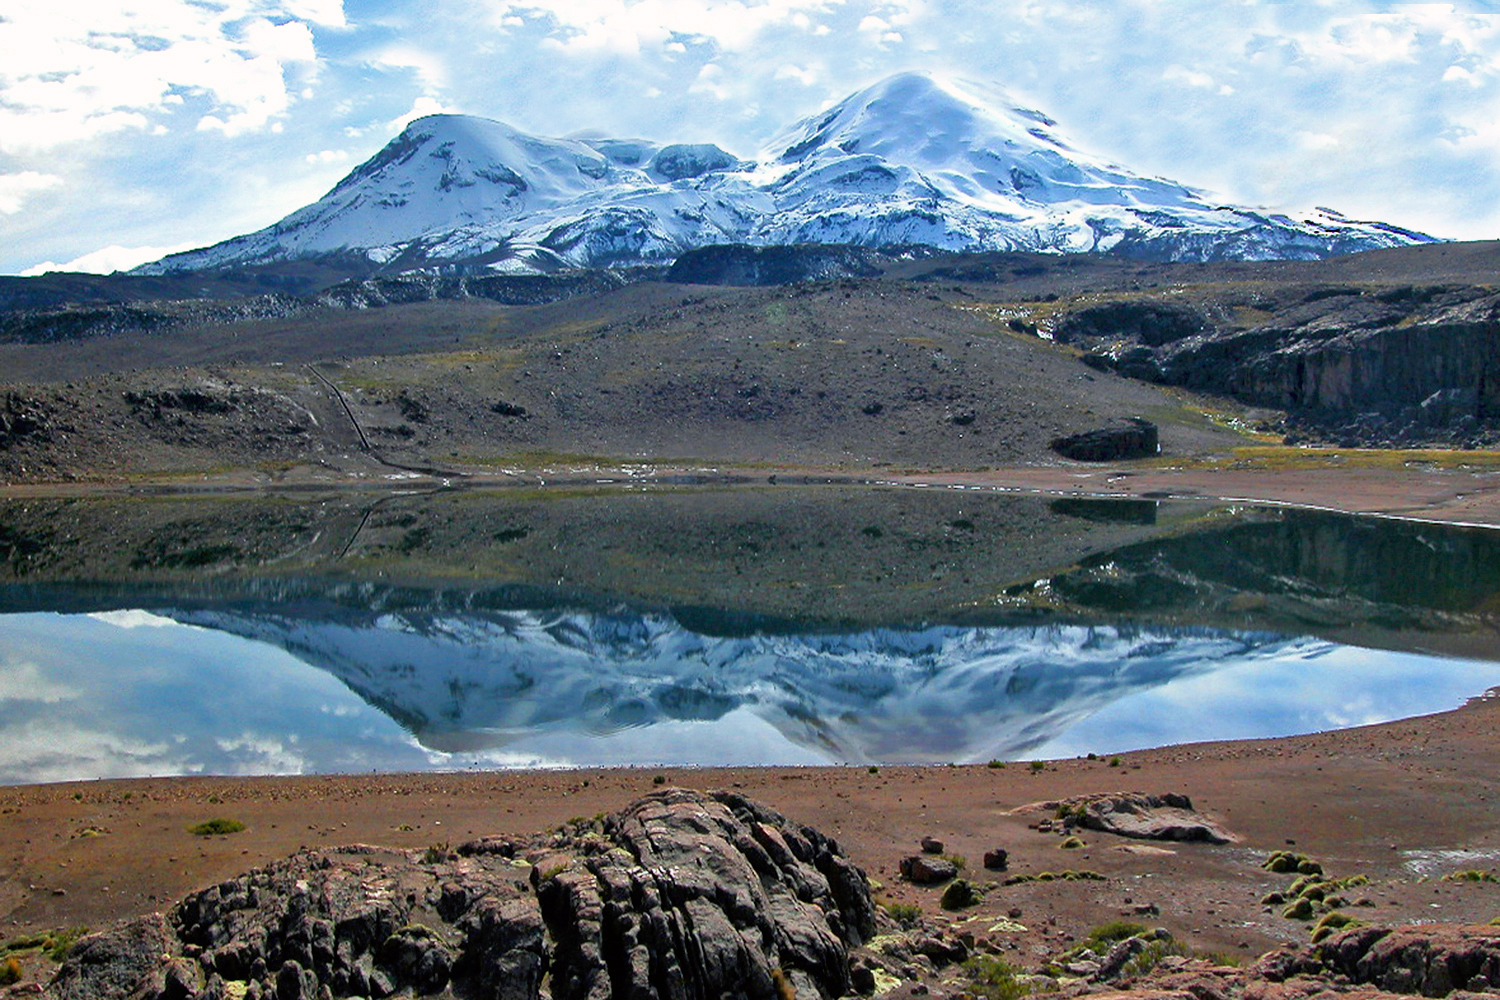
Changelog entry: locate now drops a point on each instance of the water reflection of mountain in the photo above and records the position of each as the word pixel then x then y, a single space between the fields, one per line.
pixel 481 681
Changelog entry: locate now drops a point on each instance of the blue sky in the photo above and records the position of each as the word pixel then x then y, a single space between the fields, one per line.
pixel 130 129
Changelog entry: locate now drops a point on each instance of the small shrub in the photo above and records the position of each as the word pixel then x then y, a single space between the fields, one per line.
pixel 10 971
pixel 216 827
pixel 905 914
pixel 1101 937
pixel 957 860
pixel 1301 909
pixel 1151 956
pixel 1332 923
pixel 873 769
pixel 995 763
pixel 1288 862
pixel 660 779
pixel 435 853
pixel 58 945
pixel 993 978
pixel 1071 844
pixel 960 894
pixel 1038 765
pixel 1471 875
pixel 1093 756
pixel 1114 762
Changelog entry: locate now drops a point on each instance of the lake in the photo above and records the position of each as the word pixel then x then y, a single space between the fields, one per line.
pixel 354 631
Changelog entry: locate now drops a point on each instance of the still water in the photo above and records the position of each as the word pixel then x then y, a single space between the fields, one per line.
pixel 345 633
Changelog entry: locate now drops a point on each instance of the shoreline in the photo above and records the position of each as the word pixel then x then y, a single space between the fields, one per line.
pixel 1465 497
pixel 86 853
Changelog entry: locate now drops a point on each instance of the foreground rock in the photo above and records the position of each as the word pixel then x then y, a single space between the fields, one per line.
pixel 683 894
pixel 1143 817
pixel 1131 438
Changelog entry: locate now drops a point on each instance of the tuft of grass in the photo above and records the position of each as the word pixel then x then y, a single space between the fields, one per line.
pixel 1301 909
pixel 905 914
pixel 1038 765
pixel 1101 937
pixel 784 988
pixel 1072 844
pixel 959 895
pixel 995 764
pixel 957 860
pixel 10 971
pixel 993 978
pixel 660 779
pixel 1471 875
pixel 1151 956
pixel 1114 762
pixel 216 827
pixel 435 853
pixel 873 769
pixel 1332 923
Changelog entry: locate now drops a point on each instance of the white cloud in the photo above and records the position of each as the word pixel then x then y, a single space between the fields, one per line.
pixel 15 189
pixel 24 681
pixel 74 72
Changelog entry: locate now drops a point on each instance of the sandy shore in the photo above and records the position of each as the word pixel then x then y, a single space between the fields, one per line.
pixel 1401 803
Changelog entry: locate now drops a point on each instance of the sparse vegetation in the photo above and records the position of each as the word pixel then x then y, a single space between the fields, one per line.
pixel 216 827
pixel 959 895
pixel 1067 875
pixel 905 914
pixel 435 854
pixel 1106 934
pixel 784 988
pixel 993 978
pixel 10 971
pixel 1331 923
pixel 1038 765
pixel 1151 956
pixel 1072 844
pixel 1471 875
pixel 995 764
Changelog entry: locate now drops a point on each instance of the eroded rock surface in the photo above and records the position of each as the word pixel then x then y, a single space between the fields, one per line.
pixel 681 895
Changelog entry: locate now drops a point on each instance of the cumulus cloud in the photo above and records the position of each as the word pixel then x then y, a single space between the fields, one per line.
pixel 16 188
pixel 1385 111
pixel 69 74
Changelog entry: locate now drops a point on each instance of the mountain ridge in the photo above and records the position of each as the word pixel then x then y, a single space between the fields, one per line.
pixel 912 159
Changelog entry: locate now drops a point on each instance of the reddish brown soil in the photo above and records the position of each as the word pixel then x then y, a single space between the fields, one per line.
pixel 1391 802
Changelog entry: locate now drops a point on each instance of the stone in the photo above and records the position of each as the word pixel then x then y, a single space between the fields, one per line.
pixel 1148 817
pixel 997 860
pixel 931 845
pixel 683 894
pixel 927 870
pixel 1131 438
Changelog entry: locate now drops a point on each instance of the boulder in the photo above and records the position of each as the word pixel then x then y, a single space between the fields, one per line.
pixel 997 860
pixel 927 870
pixel 682 894
pixel 1132 438
pixel 1147 817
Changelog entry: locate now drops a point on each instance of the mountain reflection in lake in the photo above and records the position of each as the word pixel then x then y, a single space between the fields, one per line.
pixel 228 636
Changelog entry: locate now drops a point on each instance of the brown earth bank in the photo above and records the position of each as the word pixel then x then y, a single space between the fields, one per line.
pixel 1388 813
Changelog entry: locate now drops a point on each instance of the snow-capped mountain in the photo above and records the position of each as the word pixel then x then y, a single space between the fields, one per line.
pixel 486 681
pixel 914 159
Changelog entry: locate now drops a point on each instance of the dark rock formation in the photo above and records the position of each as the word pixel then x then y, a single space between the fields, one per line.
pixel 1134 438
pixel 1146 817
pixel 681 895
pixel 1431 960
pixel 927 870
pixel 20 418
pixel 738 264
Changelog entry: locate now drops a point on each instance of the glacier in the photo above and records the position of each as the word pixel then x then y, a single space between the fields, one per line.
pixel 914 160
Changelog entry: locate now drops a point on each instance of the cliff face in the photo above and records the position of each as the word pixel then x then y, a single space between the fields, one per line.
pixel 1387 365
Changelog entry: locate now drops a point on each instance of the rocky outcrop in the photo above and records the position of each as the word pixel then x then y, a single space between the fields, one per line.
pixel 681 895
pixel 1132 438
pixel 1369 365
pixel 1430 960
pixel 739 264
pixel 1144 817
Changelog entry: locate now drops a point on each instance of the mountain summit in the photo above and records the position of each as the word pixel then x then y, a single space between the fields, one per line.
pixel 914 159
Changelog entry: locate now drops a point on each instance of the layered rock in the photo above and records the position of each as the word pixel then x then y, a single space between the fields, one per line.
pixel 681 895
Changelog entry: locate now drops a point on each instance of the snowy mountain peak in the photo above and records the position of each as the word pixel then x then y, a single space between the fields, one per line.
pixel 912 159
